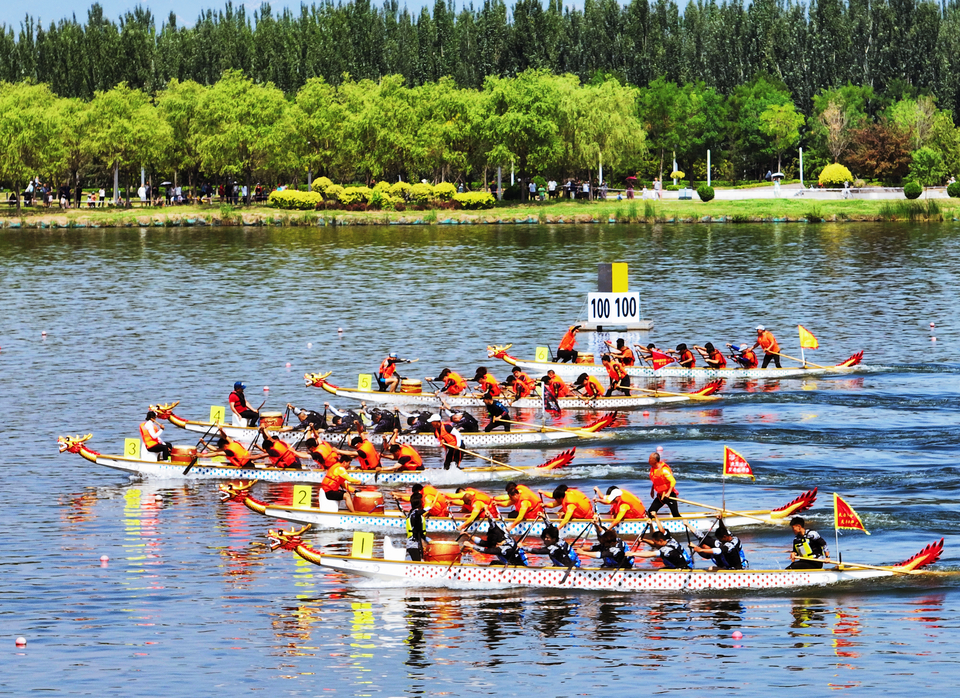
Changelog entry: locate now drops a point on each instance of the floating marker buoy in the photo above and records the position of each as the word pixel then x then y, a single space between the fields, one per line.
pixel 340 329
pixel 309 345
pixel 646 414
pixel 737 635
pixel 659 449
pixel 266 388
pixel 933 324
pixel 21 642
pixel 289 364
pixel 43 334
pixel 933 339
pixel 104 558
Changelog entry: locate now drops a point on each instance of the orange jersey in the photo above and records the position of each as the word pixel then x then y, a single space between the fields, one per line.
pixel 768 343
pixel 579 502
pixel 627 357
pixel 628 503
pixel 569 340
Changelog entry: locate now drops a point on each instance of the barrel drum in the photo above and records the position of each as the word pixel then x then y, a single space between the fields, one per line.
pixel 585 357
pixel 409 385
pixel 368 502
pixel 441 551
pixel 183 454
pixel 271 420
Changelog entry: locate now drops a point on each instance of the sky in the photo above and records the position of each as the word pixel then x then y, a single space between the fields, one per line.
pixel 12 13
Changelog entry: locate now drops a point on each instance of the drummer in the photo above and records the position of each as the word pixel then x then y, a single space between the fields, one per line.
pixel 565 350
pixel 239 406
pixel 337 485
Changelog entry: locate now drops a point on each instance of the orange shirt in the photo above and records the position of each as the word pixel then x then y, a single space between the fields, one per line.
pixel 489 384
pixel 569 340
pixel 627 357
pixel 768 343
pixel 440 504
pixel 525 494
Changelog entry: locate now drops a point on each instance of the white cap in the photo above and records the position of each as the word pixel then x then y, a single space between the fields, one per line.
pixel 615 493
pixel 434 418
pixel 761 328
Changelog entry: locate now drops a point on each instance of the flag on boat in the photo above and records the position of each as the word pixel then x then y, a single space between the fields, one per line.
pixel 735 465
pixel 807 340
pixel 844 516
pixel 659 359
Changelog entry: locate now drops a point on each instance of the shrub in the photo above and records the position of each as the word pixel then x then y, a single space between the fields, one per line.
pixel 421 193
pixel 859 183
pixel 705 192
pixel 912 190
pixel 444 191
pixel 677 174
pixel 355 195
pixel 295 200
pixel 401 190
pixel 511 193
pixel 953 190
pixel 320 184
pixel 834 175
pixel 378 200
pixel 333 192
pixel 475 200
pixel 382 186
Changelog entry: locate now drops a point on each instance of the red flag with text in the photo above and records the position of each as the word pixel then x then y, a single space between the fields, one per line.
pixel 735 465
pixel 844 516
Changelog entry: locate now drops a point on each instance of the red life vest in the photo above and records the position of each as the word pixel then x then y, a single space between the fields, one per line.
pixel 387 367
pixel 719 358
pixel 489 384
pixel 368 456
pixel 582 508
pixel 236 454
pixel 409 459
pixel 443 433
pixel 750 358
pixel 558 387
pixel 326 454
pixel 481 500
pixel 661 476
pixel 687 359
pixel 454 384
pixel 335 479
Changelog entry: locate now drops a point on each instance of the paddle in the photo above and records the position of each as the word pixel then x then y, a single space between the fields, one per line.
pixel 495 462
pixel 691 396
pixel 201 441
pixel 540 427
pixel 722 511
pixel 859 565
pixel 794 358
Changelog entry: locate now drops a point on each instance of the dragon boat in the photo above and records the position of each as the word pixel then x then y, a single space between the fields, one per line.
pixel 571 371
pixel 318 380
pixel 205 469
pixel 471 440
pixel 330 517
pixel 458 574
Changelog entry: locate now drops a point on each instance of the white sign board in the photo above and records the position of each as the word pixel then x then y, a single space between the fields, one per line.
pixel 613 308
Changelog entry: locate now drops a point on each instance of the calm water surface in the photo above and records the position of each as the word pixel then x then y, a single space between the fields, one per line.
pixel 192 602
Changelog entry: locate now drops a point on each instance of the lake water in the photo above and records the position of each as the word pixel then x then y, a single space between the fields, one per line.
pixel 192 602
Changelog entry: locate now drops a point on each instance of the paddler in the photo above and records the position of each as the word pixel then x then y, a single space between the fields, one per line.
pixel 619 380
pixel 239 406
pixel 623 504
pixel 324 453
pixel 498 412
pixel 337 485
pixel 565 350
pixel 573 504
pixel 556 385
pixel 150 431
pixel 486 382
pixel 663 486
pixel 663 545
pixel 806 544
pixel 406 456
pixel 435 502
pixel 522 384
pixel 725 551
pixel 526 504
pixel 767 342
pixel 387 373
pixel 608 548
pixel 416 529
pixel 235 452
pixel 685 357
pixel 366 453
pixel 450 440
pixel 453 382
pixel 475 503
pixel 622 352
pixel 744 355
pixel 588 387
pixel 712 356
pixel 280 453
pixel 308 420
pixel 560 552
pixel 500 544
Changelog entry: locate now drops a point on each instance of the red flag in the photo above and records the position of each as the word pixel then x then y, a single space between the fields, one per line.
pixel 844 516
pixel 735 465
pixel 807 340
pixel 659 359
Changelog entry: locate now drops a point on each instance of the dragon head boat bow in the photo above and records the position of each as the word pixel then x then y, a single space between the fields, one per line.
pixel 240 492
pixel 77 444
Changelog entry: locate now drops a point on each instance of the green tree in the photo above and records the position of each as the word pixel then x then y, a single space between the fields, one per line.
pixel 928 167
pixel 77 119
pixel 781 123
pixel 178 105
pixel 31 130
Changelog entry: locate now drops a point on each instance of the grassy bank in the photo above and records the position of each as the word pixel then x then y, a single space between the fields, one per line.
pixel 740 211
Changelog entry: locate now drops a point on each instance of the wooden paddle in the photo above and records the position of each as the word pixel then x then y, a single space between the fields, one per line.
pixel 495 462
pixel 722 511
pixel 691 396
pixel 540 427
pixel 794 358
pixel 857 565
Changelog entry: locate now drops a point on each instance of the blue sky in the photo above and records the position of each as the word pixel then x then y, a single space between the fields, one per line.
pixel 12 12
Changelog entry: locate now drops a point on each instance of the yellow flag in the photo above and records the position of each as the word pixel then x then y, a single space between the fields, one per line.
pixel 807 340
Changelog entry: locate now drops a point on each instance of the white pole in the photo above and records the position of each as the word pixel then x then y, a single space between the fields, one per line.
pixel 674 169
pixel 511 174
pixel 142 176
pixel 499 183
pixel 708 168
pixel 116 182
pixel 309 180
pixel 801 169
pixel 601 168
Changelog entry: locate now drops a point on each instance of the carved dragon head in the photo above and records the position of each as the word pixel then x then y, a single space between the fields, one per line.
pixel 498 351
pixel 315 380
pixel 72 443
pixel 164 410
pixel 288 540
pixel 235 490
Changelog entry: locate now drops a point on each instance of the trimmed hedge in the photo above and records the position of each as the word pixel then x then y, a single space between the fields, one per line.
pixel 421 193
pixel 295 200
pixel 354 195
pixel 706 193
pixel 474 200
pixel 382 186
pixel 912 190
pixel 953 190
pixel 321 184
pixel 444 191
pixel 835 175
pixel 401 190
pixel 333 192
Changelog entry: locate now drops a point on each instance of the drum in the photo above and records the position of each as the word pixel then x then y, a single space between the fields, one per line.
pixel 271 420
pixel 441 551
pixel 368 502
pixel 183 454
pixel 585 357
pixel 410 385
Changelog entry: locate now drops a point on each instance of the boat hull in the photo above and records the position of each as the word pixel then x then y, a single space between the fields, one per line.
pixel 499 577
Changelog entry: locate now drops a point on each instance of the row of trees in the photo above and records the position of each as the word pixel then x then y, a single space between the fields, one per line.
pixel 535 123
pixel 887 45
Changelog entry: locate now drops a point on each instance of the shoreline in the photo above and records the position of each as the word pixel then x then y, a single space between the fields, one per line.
pixel 549 213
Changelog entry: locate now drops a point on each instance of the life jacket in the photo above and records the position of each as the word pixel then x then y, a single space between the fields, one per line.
pixel 325 454
pixel 281 455
pixel 236 397
pixel 616 556
pixel 411 459
pixel 562 555
pixel 749 359
pixel 659 359
pixel 805 546
pixel 568 342
pixel 626 356
pixel 368 456
pixel 592 387
pixel 236 454
pixel 525 494
pixel 149 440
pixel 630 502
pixel 482 500
pixel 335 479
pixel 675 556
pixel 489 384
pixel 446 434
pixel 509 553
pixel 687 359
pixel 559 388
pixel 768 343
pixel 441 506
pixel 660 476
pixel 582 507
pixel 522 388
pixel 454 384
pixel 387 368
pixel 732 559
pixel 718 357
pixel 413 534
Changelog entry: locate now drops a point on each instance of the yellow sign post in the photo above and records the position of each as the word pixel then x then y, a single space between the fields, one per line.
pixel 302 495
pixel 362 545
pixel 365 381
pixel 131 448
pixel 543 354
pixel 217 414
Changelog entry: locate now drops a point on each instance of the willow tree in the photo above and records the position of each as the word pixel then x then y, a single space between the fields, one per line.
pixel 30 132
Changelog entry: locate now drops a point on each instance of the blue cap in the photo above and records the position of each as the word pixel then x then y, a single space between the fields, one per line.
pixel 239 386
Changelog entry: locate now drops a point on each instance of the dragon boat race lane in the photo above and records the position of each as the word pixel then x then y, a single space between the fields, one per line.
pixel 125 576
